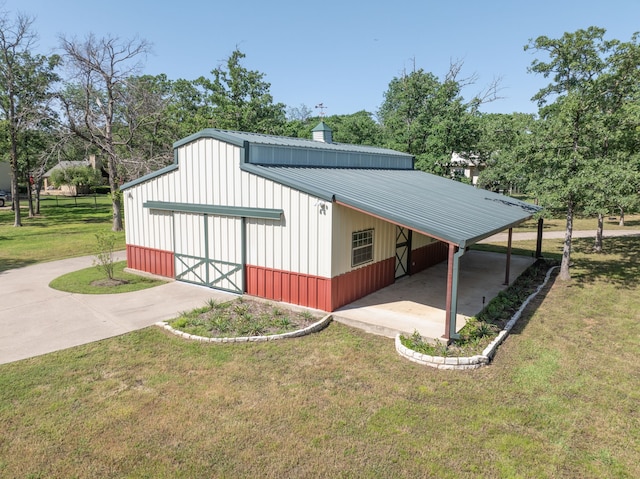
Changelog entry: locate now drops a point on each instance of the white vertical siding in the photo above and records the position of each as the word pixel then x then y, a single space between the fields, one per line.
pixel 418 240
pixel 209 173
pixel 225 245
pixel 151 229
pixel 347 221
pixel 188 234
pixel 300 242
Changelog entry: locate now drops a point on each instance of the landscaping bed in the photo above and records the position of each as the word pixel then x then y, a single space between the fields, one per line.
pixel 479 331
pixel 242 317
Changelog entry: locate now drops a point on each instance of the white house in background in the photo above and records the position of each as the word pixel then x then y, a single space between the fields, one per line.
pixel 91 161
pixel 467 167
pixel 308 222
pixel 5 176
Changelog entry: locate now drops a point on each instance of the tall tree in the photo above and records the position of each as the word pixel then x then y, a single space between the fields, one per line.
pixel 429 118
pixel 35 145
pixel 357 129
pixel 146 119
pixel 571 113
pixel 26 81
pixel 187 111
pixel 503 148
pixel 96 103
pixel 240 99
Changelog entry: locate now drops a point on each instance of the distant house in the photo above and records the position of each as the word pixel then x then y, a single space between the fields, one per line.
pixel 69 189
pixel 5 176
pixel 466 167
pixel 308 222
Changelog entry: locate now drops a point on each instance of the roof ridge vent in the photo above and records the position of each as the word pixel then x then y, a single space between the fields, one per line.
pixel 322 133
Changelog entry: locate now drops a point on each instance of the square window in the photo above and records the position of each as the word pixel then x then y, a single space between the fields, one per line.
pixel 361 247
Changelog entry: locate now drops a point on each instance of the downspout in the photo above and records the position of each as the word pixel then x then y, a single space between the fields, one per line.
pixel 539 238
pixel 244 158
pixel 508 268
pixel 243 252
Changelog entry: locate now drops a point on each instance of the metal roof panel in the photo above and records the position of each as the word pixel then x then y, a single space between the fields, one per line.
pixel 436 206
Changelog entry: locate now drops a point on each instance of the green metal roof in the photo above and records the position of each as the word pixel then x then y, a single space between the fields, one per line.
pixel 322 126
pixel 439 207
pixel 378 181
pixel 286 151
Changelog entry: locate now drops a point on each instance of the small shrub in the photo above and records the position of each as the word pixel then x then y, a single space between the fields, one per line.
pixel 104 259
pixel 417 343
pixel 283 321
pixel 221 323
pixel 241 309
pixel 179 323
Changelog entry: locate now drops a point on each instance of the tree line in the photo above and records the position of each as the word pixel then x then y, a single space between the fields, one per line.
pixel 578 155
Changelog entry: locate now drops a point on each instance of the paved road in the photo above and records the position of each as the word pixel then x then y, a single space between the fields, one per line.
pixel 503 237
pixel 35 319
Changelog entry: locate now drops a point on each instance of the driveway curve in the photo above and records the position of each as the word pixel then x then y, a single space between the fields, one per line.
pixel 36 319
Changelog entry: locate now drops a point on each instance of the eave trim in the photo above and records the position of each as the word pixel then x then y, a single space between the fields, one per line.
pixel 150 176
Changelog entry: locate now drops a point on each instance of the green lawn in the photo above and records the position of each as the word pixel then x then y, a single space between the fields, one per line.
pixel 559 401
pixel 63 230
pixel 94 281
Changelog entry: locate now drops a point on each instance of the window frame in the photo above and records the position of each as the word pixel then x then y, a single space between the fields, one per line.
pixel 360 241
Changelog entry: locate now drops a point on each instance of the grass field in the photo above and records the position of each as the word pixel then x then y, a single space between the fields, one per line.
pixel 65 228
pixel 559 401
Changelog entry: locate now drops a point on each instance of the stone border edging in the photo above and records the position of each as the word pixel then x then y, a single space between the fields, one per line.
pixel 470 362
pixel 312 328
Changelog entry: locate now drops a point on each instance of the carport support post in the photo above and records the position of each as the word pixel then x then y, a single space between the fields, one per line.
pixel 508 268
pixel 539 241
pixel 451 306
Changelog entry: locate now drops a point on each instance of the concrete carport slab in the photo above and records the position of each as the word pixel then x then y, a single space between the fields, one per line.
pixel 417 302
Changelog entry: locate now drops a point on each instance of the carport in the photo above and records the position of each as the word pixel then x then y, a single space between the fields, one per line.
pixel 448 211
pixel 418 302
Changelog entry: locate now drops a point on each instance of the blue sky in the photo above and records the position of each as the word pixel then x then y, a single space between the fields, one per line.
pixel 339 53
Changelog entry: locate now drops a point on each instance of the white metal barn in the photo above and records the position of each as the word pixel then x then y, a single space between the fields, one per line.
pixel 307 222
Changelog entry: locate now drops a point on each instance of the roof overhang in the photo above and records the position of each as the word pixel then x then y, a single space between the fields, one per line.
pixel 438 207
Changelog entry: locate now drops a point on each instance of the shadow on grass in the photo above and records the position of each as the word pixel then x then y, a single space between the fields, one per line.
pixel 535 303
pixel 7 264
pixel 631 224
pixel 51 214
pixel 618 264
pixel 516 251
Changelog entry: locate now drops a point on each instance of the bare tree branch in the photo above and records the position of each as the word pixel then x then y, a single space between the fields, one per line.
pixel 96 102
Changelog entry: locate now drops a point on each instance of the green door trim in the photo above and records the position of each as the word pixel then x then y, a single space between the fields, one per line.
pixel 221 276
pixel 218 210
pixel 403 251
pixel 210 265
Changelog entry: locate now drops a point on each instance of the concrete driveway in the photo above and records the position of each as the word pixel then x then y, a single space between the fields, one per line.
pixel 35 319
